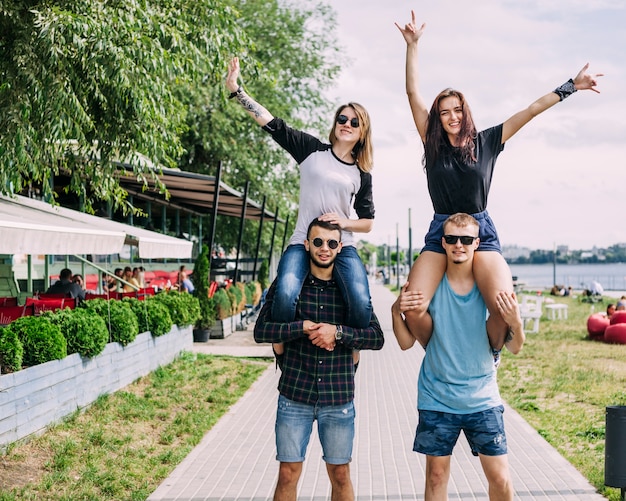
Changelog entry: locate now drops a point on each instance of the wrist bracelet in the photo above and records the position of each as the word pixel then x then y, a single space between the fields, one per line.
pixel 238 91
pixel 567 89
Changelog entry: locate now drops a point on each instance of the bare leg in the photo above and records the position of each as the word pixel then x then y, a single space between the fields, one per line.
pixel 288 476
pixel 493 275
pixel 437 476
pixel 339 475
pixel 426 273
pixel 496 470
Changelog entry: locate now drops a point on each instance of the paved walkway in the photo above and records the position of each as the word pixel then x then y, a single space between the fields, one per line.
pixel 236 458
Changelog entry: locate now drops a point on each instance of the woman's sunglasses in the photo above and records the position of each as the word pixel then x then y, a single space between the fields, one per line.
pixel 354 122
pixel 453 239
pixel 332 244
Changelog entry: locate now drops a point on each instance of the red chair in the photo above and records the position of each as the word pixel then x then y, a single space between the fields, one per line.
pixel 213 288
pixel 41 305
pixel 145 292
pixel 8 301
pixel 44 295
pixel 10 313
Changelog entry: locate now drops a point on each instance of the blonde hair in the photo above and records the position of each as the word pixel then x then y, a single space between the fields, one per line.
pixel 363 151
pixel 461 220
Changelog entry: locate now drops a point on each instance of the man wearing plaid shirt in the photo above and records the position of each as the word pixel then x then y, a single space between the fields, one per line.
pixel 317 380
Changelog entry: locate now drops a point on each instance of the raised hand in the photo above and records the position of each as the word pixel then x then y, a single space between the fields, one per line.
pixel 232 77
pixel 410 32
pixel 586 81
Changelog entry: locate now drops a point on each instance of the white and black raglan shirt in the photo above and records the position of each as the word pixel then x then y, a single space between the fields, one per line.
pixel 327 184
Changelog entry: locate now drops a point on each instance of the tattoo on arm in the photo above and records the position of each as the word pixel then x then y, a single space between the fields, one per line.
pixel 249 104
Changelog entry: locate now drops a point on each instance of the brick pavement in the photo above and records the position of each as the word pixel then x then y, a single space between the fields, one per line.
pixel 236 458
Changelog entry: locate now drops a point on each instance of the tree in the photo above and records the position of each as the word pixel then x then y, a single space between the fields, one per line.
pixel 85 83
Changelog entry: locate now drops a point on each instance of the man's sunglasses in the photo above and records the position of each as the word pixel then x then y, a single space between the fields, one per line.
pixel 332 243
pixel 453 239
pixel 354 122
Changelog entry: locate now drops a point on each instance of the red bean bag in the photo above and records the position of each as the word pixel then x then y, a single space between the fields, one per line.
pixel 596 325
pixel 615 333
pixel 618 317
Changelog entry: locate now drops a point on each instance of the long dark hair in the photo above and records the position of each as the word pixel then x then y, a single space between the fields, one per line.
pixel 437 143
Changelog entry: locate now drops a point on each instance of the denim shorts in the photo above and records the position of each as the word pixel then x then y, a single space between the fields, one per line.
pixel 294 424
pixel 438 432
pixel 489 240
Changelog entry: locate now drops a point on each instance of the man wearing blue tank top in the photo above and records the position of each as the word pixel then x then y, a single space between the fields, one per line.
pixel 457 385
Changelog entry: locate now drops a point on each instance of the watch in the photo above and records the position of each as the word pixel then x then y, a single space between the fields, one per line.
pixel 339 333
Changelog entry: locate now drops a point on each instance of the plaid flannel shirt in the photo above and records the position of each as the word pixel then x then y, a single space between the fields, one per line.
pixel 313 375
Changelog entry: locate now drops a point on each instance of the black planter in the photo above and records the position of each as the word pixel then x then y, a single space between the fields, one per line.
pixel 201 335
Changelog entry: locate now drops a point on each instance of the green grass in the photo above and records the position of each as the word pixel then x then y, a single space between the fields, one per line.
pixel 127 443
pixel 561 383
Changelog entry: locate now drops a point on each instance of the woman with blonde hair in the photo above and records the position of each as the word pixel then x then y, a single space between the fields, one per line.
pixel 334 178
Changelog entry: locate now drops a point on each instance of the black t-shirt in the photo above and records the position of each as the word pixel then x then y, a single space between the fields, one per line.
pixel 455 186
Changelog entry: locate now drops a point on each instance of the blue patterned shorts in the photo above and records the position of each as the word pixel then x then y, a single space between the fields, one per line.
pixel 438 432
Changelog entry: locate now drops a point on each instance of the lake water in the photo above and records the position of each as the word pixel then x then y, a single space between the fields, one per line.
pixel 579 276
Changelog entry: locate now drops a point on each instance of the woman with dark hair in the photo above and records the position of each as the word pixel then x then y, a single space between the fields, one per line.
pixel 459 163
pixel 334 178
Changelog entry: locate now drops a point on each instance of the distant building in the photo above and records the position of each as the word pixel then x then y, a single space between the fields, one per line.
pixel 513 252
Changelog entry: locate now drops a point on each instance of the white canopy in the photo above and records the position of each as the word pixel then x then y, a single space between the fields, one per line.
pixel 30 226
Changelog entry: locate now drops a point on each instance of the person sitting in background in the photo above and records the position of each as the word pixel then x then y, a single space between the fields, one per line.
pixel 184 283
pixel 610 309
pixel 139 277
pixel 65 286
pixel 621 305
pixel 78 279
pixel 127 275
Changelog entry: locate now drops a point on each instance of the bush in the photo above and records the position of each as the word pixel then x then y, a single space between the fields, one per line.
pixel 223 306
pixel 201 281
pixel 236 298
pixel 253 292
pixel 11 351
pixel 41 340
pixel 84 330
pixel 183 307
pixel 117 315
pixel 153 316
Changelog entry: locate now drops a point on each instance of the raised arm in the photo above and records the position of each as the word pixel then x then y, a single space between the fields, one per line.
pixel 254 109
pixel 583 81
pixel 407 300
pixel 411 35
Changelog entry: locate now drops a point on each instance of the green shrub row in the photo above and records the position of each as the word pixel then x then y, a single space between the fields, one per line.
pixel 86 330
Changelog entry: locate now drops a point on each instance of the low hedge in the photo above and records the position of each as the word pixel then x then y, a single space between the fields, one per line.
pixel 184 308
pixel 85 331
pixel 153 316
pixel 117 315
pixel 41 340
pixel 11 351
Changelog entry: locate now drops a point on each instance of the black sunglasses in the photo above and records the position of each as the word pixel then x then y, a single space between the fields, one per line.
pixel 354 122
pixel 332 243
pixel 453 239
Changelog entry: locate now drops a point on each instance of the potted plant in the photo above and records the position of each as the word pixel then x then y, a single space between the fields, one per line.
pixel 200 278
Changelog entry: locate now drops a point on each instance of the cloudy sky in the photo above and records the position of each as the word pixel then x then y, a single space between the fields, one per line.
pixel 561 180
